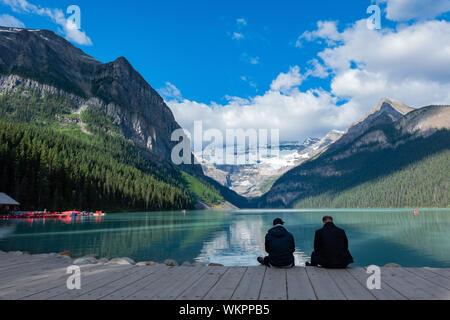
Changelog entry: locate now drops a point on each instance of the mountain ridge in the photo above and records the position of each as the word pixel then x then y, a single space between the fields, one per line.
pixel 138 109
pixel 352 161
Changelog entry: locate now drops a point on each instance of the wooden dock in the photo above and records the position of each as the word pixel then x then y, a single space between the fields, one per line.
pixel 44 277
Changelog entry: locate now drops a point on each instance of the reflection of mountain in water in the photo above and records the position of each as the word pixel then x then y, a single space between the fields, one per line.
pixel 240 244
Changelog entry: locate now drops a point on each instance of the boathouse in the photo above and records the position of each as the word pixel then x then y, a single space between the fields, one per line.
pixel 6 202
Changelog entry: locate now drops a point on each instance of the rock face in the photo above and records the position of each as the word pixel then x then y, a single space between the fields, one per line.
pixel 42 60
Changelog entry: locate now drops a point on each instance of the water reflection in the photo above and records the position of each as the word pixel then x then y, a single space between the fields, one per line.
pixel 240 244
pixel 236 238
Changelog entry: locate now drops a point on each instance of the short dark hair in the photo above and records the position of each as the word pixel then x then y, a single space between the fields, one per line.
pixel 278 221
pixel 327 219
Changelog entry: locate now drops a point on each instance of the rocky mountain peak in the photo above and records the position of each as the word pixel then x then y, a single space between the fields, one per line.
pixel 387 111
pixel 310 141
pixel 388 105
pixel 48 59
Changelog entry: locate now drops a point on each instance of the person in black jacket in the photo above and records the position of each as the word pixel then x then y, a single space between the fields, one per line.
pixel 330 247
pixel 280 246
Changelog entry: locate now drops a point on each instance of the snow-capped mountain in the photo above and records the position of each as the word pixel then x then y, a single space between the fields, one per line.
pixel 255 178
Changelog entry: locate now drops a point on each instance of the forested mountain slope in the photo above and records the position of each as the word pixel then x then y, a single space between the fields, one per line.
pixel 401 161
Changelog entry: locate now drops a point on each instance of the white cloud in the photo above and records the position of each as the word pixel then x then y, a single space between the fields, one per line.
pixel 240 24
pixel 296 114
pixel 286 81
pixel 249 59
pixel 404 10
pixel 241 21
pixel 237 36
pixel 318 70
pixel 250 82
pixel 367 65
pixel 9 21
pixel 170 92
pixel 325 30
pixel 56 15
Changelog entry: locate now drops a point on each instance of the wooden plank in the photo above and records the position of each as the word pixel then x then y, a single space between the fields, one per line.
pixel 170 280
pixel 131 288
pixel 95 282
pixel 88 283
pixel 38 272
pixel 29 270
pixel 225 287
pixel 385 293
pixel 44 284
pixel 274 285
pixel 174 291
pixel 350 287
pixel 250 286
pixel 57 283
pixel 11 264
pixel 433 277
pixel 199 289
pixel 412 286
pixel 441 272
pixel 35 280
pixel 146 288
pixel 323 285
pixel 177 277
pixel 111 287
pixel 298 285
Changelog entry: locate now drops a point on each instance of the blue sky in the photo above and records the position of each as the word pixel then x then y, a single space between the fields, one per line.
pixel 227 55
pixel 190 43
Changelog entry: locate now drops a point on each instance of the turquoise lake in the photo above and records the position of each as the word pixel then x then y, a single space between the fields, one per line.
pixel 236 238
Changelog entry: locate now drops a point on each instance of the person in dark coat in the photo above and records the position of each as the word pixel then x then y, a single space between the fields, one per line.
pixel 330 247
pixel 280 246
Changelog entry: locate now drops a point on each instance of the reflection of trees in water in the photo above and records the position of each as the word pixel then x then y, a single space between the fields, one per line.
pixel 6 231
pixel 155 236
pixel 170 235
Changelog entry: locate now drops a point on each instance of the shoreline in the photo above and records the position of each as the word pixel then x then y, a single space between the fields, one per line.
pixel 93 259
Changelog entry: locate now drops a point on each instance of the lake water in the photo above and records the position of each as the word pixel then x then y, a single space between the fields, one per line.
pixel 236 238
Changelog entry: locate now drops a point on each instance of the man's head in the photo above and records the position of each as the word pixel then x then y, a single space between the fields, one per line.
pixel 278 221
pixel 327 219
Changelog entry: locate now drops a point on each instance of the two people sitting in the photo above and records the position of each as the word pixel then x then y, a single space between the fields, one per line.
pixel 330 247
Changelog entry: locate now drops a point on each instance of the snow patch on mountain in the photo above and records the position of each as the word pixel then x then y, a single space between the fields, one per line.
pixel 255 178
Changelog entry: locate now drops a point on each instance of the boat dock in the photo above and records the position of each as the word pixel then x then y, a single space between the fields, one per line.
pixel 44 277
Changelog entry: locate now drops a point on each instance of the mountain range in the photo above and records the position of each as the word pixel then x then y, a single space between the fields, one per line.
pixel 79 133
